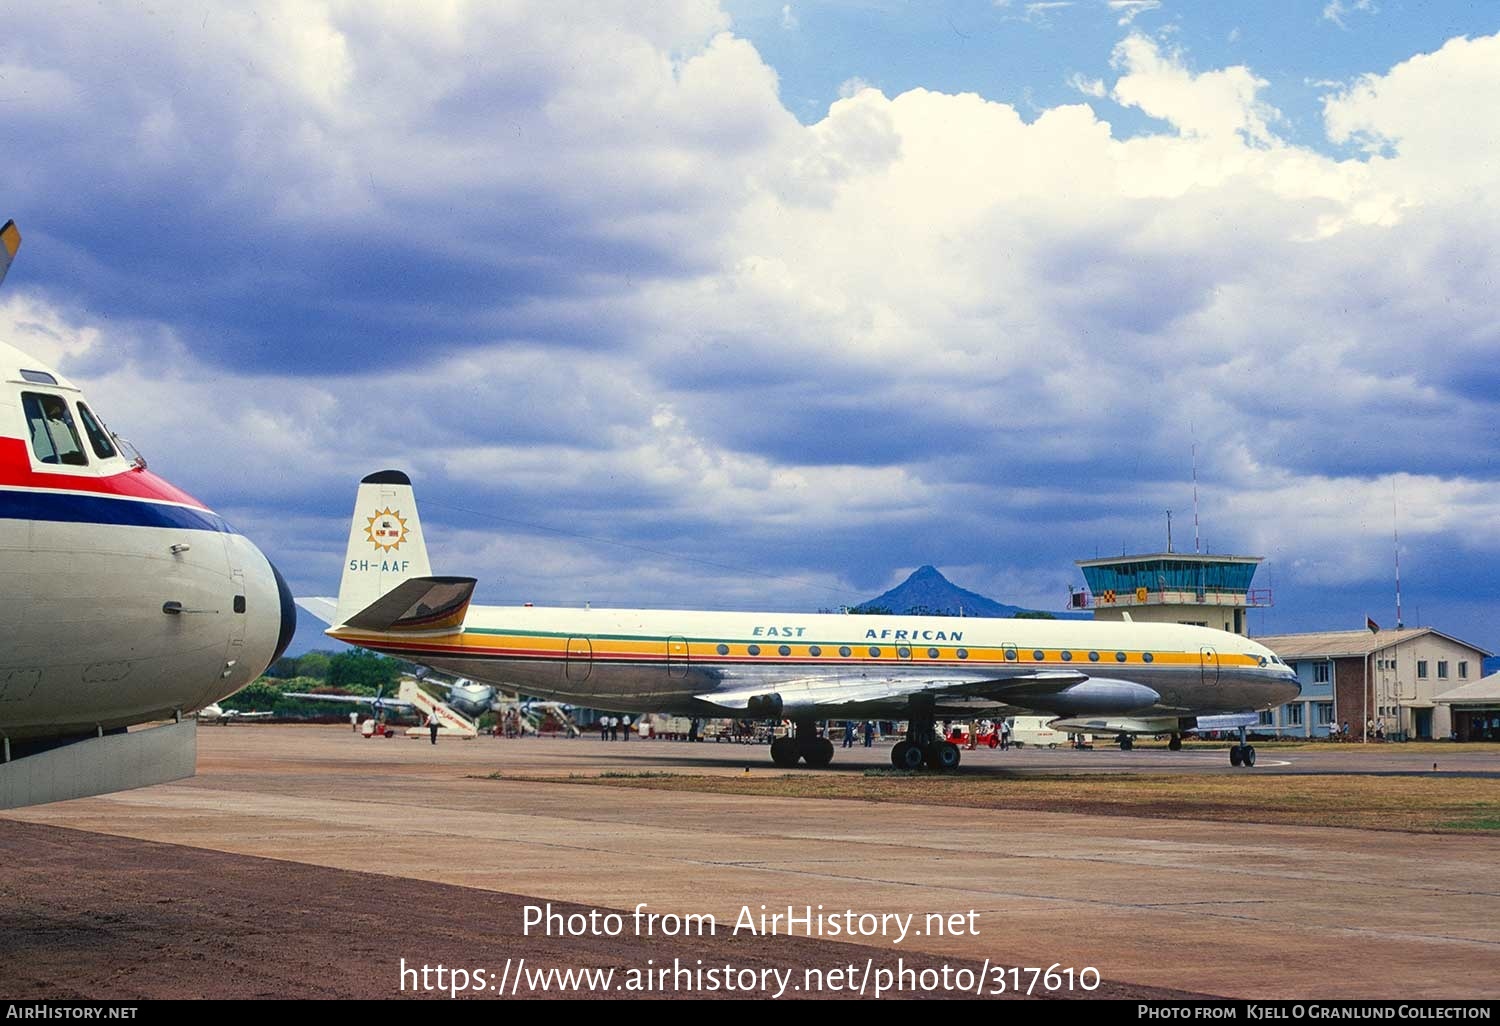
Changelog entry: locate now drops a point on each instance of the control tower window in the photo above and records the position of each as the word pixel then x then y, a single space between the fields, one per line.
pixel 54 439
pixel 98 437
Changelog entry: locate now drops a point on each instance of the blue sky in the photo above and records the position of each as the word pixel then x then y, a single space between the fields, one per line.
pixel 763 305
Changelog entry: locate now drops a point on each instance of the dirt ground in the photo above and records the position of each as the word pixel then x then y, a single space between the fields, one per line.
pixel 306 862
pixel 89 916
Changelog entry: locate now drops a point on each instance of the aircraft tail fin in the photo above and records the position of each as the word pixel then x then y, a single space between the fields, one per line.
pixel 10 241
pixel 386 546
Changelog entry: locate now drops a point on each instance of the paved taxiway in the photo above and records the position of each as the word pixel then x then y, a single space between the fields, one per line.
pixel 1250 911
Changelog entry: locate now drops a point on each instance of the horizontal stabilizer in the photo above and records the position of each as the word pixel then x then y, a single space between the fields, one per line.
pixel 418 604
pixel 325 609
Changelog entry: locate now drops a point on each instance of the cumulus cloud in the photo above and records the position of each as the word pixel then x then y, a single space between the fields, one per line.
pixel 1336 10
pixel 588 279
pixel 1210 105
pixel 1129 10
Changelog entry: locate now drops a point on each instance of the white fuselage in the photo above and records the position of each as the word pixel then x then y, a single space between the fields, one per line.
pixel 122 599
pixel 678 661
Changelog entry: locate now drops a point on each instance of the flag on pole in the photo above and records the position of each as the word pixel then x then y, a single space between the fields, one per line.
pixel 1372 625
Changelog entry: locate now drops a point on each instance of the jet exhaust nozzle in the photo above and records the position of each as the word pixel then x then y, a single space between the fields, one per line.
pixel 764 707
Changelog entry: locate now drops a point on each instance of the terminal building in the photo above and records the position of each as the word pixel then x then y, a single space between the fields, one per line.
pixel 1413 682
pixel 1172 587
pixel 1396 679
pixel 1475 709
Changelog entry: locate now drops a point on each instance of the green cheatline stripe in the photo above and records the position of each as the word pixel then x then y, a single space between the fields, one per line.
pixel 718 640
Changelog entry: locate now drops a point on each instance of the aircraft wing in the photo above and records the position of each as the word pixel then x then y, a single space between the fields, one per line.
pixel 830 690
pixel 388 703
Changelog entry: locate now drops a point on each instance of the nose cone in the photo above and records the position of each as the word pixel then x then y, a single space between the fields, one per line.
pixel 1291 688
pixel 288 615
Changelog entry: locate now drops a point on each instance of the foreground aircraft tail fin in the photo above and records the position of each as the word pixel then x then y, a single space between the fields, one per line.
pixel 10 241
pixel 386 546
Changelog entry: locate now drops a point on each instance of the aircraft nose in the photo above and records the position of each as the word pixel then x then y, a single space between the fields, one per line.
pixel 288 614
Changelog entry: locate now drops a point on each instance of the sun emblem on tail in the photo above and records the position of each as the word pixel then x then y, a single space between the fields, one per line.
pixel 386 530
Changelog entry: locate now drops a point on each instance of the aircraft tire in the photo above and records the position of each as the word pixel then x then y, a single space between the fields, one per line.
pixel 1126 742
pixel 784 752
pixel 819 754
pixel 1248 756
pixel 1175 745
pixel 906 756
pixel 942 755
pixel 1235 755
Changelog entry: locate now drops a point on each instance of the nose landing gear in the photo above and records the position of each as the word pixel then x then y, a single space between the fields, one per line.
pixel 1242 754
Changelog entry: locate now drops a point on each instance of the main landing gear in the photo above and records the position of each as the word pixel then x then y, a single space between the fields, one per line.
pixel 1175 745
pixel 922 746
pixel 1126 742
pixel 806 746
pixel 1242 754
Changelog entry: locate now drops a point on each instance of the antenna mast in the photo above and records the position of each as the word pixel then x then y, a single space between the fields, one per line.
pixel 1396 538
pixel 1195 498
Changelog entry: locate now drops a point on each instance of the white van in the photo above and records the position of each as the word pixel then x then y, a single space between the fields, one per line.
pixel 1033 730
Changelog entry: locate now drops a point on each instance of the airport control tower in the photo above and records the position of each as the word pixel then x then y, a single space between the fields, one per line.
pixel 1170 587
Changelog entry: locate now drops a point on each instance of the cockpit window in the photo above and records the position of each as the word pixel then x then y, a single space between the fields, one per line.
pixel 54 439
pixel 38 377
pixel 98 436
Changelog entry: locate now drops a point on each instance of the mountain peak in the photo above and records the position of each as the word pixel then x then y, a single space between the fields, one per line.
pixel 926 590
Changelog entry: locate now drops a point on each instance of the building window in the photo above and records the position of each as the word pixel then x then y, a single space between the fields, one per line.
pixel 1293 715
pixel 1320 673
pixel 1325 713
pixel 1265 718
pixel 1442 669
pixel 1421 669
pixel 1463 667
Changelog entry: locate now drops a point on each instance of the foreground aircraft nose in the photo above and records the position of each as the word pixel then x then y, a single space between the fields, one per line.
pixel 288 615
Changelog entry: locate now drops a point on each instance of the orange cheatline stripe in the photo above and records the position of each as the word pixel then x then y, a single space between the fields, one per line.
pixel 530 647
pixel 11 235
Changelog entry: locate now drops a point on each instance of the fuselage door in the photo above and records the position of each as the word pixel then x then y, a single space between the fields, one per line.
pixel 1208 662
pixel 677 657
pixel 580 658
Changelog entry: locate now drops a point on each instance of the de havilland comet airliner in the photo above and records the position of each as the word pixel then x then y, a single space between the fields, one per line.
pixel 123 600
pixel 802 667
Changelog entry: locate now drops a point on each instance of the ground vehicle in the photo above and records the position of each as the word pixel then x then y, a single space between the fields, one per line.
pixel 959 735
pixel 1033 730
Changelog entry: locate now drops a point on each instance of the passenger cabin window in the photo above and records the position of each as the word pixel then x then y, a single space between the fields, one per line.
pixel 54 439
pixel 98 436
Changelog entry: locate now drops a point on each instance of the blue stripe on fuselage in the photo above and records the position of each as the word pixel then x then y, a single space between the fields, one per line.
pixel 80 508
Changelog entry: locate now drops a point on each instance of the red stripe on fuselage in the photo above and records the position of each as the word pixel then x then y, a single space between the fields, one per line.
pixel 16 472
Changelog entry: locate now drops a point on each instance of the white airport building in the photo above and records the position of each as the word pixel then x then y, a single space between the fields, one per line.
pixel 1398 679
